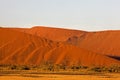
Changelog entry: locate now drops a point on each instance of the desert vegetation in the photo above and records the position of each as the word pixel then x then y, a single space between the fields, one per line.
pixel 113 68
pixel 48 67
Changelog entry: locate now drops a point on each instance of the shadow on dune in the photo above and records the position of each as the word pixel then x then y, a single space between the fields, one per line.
pixel 115 57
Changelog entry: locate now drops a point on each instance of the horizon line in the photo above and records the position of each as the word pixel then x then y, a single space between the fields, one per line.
pixel 55 27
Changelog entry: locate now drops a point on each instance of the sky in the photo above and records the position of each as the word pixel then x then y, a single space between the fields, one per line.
pixel 87 15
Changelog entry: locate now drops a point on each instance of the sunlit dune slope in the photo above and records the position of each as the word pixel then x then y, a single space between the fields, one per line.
pixel 21 48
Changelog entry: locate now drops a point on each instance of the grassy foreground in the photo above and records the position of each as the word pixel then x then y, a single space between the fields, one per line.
pixel 47 67
pixel 58 72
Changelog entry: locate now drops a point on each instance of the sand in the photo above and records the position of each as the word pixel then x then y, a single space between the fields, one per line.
pixel 60 77
pixel 102 42
pixel 25 49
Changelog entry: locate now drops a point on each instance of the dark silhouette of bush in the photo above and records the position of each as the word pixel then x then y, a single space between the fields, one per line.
pixel 24 68
pixel 114 68
pixel 96 69
pixel 13 67
pixel 75 68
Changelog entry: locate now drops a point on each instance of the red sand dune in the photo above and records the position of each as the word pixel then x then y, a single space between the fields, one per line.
pixel 103 42
pixel 21 48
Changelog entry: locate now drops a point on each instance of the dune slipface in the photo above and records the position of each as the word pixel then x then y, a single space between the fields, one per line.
pixel 22 48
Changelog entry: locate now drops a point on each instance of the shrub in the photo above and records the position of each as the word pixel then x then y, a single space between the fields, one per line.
pixel 96 69
pixel 114 68
pixel 24 68
pixel 13 67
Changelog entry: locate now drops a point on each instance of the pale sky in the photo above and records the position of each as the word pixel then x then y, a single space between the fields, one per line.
pixel 87 15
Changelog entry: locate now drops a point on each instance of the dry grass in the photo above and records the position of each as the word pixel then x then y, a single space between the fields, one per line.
pixel 58 72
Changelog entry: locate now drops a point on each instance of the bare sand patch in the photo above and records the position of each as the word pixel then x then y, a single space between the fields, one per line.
pixel 59 77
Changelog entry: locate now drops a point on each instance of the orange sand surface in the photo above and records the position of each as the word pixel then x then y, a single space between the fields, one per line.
pixel 102 42
pixel 60 77
pixel 22 48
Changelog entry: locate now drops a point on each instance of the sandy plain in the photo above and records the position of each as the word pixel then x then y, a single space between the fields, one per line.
pixel 58 76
